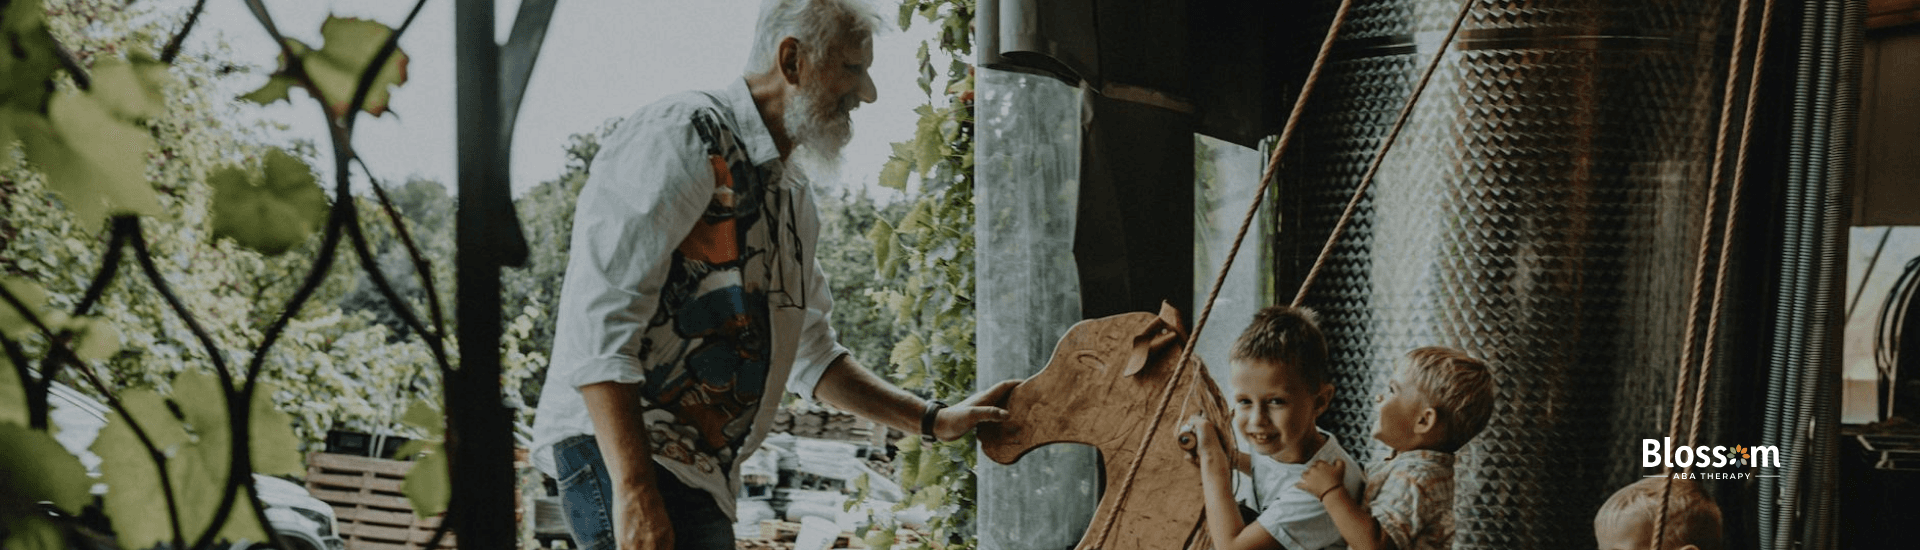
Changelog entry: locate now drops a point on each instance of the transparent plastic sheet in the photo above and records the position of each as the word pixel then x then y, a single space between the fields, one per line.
pixel 1225 178
pixel 1026 170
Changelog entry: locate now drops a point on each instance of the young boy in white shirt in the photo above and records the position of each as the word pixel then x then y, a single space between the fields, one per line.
pixel 1280 386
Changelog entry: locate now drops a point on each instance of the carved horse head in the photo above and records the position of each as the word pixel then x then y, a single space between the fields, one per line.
pixel 1101 388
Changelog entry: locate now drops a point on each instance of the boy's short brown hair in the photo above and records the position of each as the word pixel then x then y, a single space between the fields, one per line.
pixel 1286 335
pixel 1692 517
pixel 1460 388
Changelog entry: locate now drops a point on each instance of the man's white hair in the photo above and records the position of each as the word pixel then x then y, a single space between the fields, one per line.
pixel 816 23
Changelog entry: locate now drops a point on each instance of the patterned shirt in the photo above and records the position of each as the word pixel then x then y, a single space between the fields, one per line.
pixel 691 273
pixel 1411 495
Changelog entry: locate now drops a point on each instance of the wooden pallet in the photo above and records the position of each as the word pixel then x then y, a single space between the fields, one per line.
pixel 365 495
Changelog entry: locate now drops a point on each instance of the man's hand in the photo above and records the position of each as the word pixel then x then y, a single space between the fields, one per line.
pixel 955 421
pixel 640 520
pixel 1322 477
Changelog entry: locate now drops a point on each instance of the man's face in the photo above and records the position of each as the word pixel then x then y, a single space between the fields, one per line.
pixel 831 87
pixel 1275 408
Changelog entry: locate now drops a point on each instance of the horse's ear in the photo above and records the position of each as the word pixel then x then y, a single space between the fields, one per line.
pixel 1164 330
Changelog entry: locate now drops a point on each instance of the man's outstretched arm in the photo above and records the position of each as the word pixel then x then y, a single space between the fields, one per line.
pixel 850 386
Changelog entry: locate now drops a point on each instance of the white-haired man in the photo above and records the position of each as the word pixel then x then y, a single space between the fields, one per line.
pixel 692 289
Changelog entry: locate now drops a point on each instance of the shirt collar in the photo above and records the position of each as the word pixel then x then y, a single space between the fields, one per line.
pixel 748 127
pixel 1425 455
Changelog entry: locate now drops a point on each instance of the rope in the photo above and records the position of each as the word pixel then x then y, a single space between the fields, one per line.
pixel 1286 137
pixel 1253 209
pixel 1726 236
pixel 1379 158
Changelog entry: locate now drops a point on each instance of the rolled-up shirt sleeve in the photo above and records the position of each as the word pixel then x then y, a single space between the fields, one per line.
pixel 818 344
pixel 647 186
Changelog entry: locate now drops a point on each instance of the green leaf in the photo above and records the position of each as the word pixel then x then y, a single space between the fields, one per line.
pixel 347 48
pixel 32 532
pixel 422 414
pixel 926 70
pixel 427 485
pixel 193 431
pixel 878 539
pixel 275 89
pixel 35 468
pixel 893 175
pixel 906 14
pixel 883 243
pixel 94 338
pixel 31 62
pixel 13 395
pixel 95 159
pixel 131 88
pixel 271 213
pixel 13 322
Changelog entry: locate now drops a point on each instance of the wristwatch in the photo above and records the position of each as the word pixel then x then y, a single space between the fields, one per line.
pixel 926 420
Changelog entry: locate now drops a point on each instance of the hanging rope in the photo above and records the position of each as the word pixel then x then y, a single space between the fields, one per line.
pixel 1286 137
pixel 1379 158
pixel 1246 222
pixel 1705 361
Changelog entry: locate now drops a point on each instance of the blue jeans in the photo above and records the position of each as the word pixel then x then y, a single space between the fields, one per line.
pixel 586 492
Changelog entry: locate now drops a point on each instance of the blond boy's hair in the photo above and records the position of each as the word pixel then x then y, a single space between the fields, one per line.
pixel 1692 517
pixel 1460 388
pixel 1289 336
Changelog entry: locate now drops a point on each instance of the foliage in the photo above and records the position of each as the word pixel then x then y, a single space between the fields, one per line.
pixel 225 229
pixel 932 246
pixel 864 325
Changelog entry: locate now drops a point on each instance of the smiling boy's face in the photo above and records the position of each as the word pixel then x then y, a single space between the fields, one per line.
pixel 1275 409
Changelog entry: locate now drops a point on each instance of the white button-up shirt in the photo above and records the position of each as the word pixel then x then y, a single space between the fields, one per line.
pixel 648 195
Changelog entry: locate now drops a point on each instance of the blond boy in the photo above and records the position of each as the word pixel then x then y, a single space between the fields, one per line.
pixel 1280 386
pixel 1627 520
pixel 1438 399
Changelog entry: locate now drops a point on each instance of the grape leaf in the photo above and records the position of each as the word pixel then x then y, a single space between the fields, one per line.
pixel 192 430
pixel 427 486
pixel 13 395
pixel 31 532
pixel 13 323
pixel 93 156
pixel 271 212
pixel 35 468
pixel 346 49
pixel 94 338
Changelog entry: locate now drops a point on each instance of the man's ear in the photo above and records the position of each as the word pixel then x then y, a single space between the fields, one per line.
pixel 788 60
pixel 1322 399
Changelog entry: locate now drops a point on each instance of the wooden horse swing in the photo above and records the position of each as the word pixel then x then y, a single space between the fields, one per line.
pixel 1094 384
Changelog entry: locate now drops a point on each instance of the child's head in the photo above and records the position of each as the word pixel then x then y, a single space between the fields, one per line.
pixel 1627 520
pixel 1438 400
pixel 1280 386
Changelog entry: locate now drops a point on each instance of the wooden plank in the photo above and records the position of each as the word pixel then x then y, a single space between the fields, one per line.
pixel 1892 13
pixel 371 545
pixel 341 481
pixel 379 533
pixel 373 516
pixel 359 464
pixel 342 498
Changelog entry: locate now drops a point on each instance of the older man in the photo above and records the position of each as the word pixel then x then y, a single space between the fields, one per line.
pixel 692 289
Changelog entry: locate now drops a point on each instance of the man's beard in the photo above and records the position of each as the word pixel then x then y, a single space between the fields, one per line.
pixel 819 128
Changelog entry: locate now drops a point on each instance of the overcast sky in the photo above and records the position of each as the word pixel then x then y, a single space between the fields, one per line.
pixel 602 60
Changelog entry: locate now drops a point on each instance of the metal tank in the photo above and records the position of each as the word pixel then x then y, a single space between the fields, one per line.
pixel 1540 211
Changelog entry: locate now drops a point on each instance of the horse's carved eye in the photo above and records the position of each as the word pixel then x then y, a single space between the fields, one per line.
pixel 1089 359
